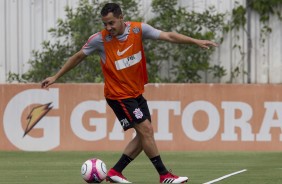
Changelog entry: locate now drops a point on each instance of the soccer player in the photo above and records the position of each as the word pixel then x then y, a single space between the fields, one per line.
pixel 123 63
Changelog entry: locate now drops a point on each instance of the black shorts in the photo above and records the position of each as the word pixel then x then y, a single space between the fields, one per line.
pixel 130 111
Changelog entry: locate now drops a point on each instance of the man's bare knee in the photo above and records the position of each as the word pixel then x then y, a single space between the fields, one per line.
pixel 145 129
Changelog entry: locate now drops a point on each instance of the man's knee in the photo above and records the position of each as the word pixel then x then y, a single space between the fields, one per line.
pixel 144 128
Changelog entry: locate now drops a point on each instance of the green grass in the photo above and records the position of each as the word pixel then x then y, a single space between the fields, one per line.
pixel 64 167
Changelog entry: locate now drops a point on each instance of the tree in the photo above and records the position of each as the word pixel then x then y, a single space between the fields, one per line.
pixel 70 36
pixel 186 61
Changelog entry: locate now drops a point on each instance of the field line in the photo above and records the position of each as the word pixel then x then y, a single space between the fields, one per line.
pixel 225 176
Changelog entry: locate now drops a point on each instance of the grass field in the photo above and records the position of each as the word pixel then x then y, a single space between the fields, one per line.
pixel 200 167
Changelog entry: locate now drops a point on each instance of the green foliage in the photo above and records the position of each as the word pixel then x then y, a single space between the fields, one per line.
pixel 265 9
pixel 238 17
pixel 183 63
pixel 186 61
pixel 71 34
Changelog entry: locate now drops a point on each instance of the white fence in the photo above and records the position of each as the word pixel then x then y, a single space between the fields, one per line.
pixel 24 25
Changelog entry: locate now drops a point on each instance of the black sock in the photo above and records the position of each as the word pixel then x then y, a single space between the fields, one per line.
pixel 158 163
pixel 122 163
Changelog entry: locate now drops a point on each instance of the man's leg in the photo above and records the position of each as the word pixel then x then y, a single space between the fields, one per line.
pixel 131 151
pixel 134 147
pixel 144 140
pixel 136 111
pixel 147 140
pixel 146 133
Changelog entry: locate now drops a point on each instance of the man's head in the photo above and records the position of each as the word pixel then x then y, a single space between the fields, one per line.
pixel 113 19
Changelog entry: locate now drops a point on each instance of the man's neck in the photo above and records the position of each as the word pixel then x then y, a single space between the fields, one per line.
pixel 123 29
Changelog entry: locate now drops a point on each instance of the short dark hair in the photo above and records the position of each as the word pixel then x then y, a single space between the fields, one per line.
pixel 111 7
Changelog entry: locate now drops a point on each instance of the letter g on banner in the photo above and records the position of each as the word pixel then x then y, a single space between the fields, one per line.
pixel 13 126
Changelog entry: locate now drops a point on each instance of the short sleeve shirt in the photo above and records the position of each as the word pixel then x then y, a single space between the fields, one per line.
pixel 122 59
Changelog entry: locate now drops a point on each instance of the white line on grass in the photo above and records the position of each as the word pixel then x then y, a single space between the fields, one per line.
pixel 225 176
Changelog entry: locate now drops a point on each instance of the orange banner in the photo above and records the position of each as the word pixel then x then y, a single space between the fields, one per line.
pixel 185 117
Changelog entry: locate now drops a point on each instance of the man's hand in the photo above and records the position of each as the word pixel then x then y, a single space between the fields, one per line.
pixel 47 82
pixel 206 44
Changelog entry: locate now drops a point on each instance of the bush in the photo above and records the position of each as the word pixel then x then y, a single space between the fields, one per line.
pixel 184 62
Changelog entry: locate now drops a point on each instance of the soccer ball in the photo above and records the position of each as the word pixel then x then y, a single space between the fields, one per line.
pixel 94 170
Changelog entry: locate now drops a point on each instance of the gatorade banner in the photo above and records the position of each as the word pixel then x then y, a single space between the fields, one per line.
pixel 186 117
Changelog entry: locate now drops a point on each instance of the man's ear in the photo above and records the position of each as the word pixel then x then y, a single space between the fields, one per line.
pixel 121 17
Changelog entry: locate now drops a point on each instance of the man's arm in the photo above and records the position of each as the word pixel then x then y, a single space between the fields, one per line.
pixel 70 64
pixel 182 39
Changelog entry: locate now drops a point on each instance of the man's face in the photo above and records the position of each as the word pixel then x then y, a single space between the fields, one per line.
pixel 113 24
